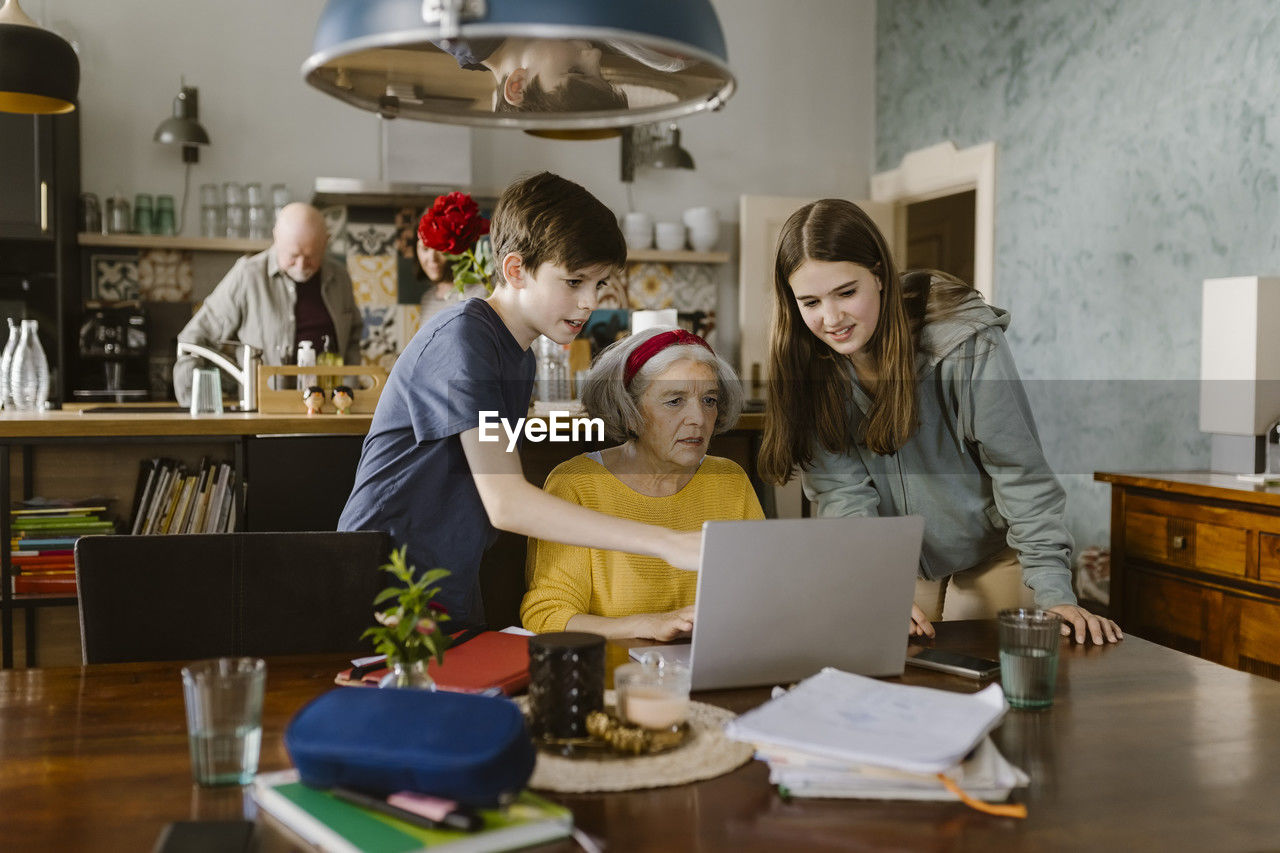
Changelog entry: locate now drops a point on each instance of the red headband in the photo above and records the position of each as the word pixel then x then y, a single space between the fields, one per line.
pixel 655 345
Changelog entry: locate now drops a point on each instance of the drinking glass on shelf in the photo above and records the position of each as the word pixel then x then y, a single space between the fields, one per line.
pixel 163 222
pixel 232 194
pixel 118 219
pixel 209 195
pixel 143 215
pixel 211 224
pixel 259 223
pixel 279 195
pixel 253 194
pixel 237 222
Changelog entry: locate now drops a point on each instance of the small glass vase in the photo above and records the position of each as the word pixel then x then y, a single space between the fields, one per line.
pixel 411 675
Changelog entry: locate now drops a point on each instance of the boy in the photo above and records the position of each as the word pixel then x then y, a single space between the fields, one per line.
pixel 424 475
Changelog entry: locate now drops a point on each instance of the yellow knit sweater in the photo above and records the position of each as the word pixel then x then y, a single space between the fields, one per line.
pixel 567 579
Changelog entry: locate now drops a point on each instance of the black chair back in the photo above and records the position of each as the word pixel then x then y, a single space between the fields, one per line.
pixel 183 597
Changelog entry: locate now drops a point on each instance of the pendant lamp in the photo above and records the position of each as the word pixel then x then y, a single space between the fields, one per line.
pixel 545 66
pixel 39 71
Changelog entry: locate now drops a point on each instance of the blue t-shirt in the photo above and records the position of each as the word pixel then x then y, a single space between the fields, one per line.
pixel 413 479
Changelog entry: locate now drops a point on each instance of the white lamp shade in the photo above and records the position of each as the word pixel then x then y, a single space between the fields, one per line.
pixel 1240 355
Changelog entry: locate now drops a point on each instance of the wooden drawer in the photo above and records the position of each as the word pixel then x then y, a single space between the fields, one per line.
pixel 1257 646
pixel 1169 611
pixel 1269 558
pixel 1188 543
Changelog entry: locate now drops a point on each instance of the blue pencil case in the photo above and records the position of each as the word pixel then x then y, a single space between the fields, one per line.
pixel 465 747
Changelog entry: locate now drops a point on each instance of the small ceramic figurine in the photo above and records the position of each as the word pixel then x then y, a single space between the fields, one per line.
pixel 313 397
pixel 343 398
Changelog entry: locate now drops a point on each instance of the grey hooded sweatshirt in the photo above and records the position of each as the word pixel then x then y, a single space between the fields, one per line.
pixel 974 469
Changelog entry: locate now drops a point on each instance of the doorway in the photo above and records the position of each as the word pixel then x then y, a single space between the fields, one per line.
pixel 939 183
pixel 940 235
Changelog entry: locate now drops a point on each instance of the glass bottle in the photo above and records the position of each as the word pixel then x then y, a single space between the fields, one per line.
pixel 29 371
pixel 6 361
pixel 306 358
pixel 329 358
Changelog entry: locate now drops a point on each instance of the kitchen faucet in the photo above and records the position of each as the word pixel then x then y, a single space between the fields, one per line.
pixel 246 374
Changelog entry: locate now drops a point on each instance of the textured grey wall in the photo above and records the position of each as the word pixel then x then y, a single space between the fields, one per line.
pixel 1136 156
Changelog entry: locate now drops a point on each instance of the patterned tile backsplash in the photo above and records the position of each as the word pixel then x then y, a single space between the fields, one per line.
pixel 378 245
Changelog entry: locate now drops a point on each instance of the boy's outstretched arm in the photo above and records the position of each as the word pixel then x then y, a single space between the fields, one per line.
pixel 515 504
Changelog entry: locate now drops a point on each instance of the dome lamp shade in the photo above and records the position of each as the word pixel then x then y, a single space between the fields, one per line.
pixel 39 71
pixel 183 127
pixel 537 65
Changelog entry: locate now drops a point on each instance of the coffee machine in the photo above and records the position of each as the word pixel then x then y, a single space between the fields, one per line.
pixel 113 353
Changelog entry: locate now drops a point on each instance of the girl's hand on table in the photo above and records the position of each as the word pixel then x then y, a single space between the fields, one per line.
pixel 1083 624
pixel 919 624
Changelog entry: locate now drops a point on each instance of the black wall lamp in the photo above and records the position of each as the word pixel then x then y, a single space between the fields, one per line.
pixel 652 145
pixel 39 71
pixel 183 127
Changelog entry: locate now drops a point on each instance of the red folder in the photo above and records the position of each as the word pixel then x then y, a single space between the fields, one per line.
pixel 489 659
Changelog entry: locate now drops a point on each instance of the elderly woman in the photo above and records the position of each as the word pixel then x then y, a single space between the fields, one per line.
pixel 663 394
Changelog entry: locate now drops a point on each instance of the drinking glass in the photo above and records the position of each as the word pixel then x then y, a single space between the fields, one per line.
pixel 259 222
pixel 206 391
pixel 209 196
pixel 232 194
pixel 143 216
pixel 224 718
pixel 163 221
pixel 1029 640
pixel 253 194
pixel 237 222
pixel 211 224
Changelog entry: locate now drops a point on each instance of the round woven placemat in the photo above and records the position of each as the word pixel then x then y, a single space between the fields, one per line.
pixel 707 754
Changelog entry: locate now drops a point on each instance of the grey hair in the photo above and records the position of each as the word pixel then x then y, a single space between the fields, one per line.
pixel 606 397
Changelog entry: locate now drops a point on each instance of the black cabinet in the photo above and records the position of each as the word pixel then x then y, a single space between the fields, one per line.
pixel 27 208
pixel 39 262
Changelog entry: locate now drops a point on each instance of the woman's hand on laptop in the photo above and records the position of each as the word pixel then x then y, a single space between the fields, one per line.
pixel 664 627
pixel 920 626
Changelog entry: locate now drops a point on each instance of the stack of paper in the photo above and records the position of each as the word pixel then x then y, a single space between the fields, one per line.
pixel 842 735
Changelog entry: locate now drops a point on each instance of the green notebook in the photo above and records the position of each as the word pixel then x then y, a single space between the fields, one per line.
pixel 342 827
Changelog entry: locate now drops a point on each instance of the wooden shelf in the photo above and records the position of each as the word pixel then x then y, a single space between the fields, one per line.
pixel 155 241
pixel 219 244
pixel 657 256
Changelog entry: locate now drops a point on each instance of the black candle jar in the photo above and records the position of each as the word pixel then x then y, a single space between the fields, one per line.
pixel 566 683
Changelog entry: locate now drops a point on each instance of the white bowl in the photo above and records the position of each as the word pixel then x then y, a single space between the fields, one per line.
pixel 638 239
pixel 670 236
pixel 701 217
pixel 704 239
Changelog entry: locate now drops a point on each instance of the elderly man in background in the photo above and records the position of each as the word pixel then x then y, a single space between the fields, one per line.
pixel 272 300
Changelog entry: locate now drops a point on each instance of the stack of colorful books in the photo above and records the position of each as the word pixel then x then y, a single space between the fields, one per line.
pixel 42 546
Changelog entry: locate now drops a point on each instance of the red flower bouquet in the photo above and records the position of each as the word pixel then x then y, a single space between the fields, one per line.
pixel 453 226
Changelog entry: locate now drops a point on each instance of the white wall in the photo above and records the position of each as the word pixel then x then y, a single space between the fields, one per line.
pixel 801 123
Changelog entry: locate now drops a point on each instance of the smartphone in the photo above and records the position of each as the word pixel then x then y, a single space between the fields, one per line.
pixel 954 663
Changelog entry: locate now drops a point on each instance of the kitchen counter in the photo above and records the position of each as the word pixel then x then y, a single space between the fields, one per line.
pixel 73 422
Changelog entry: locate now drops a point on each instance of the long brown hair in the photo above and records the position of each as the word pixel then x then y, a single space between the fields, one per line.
pixel 809 388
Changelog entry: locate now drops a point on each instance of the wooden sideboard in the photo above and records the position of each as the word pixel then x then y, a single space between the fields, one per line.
pixel 1195 565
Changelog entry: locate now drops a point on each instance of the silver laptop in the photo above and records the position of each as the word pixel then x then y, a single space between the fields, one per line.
pixel 778 600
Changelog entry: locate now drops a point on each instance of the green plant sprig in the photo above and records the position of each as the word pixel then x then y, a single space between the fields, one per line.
pixel 410 631
pixel 474 266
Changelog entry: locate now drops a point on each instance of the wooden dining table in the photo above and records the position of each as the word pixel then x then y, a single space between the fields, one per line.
pixel 1145 748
